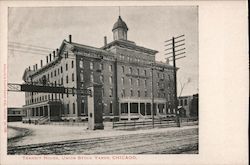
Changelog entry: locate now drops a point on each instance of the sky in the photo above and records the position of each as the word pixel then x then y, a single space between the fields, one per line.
pixel 148 27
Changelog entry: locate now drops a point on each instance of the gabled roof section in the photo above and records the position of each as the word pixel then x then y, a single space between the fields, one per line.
pixel 129 45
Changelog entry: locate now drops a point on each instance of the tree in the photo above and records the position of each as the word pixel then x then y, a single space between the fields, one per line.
pixel 184 84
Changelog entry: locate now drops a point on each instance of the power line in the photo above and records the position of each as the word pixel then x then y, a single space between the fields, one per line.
pixel 29 52
pixel 29 48
pixel 18 43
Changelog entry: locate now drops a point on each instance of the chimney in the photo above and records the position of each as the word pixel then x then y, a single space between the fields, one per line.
pixel 29 68
pixel 41 63
pixel 47 59
pixel 36 66
pixel 57 51
pixel 70 38
pixel 54 54
pixel 105 40
pixel 50 57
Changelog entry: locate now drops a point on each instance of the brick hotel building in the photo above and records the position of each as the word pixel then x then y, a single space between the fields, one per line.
pixel 125 70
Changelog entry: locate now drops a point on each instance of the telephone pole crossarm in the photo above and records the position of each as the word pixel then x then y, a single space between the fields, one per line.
pixel 175 44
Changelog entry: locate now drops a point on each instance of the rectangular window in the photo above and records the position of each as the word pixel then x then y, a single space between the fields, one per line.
pixel 131 93
pixel 138 82
pixel 130 81
pixel 91 78
pixel 66 67
pixel 110 92
pixel 81 77
pixel 74 108
pixel 67 79
pixel 110 79
pixel 62 81
pixel 122 79
pixel 81 64
pixel 55 73
pixel 51 75
pixel 82 108
pixel 123 92
pixel 73 78
pixel 138 93
pixel 145 82
pixel 91 66
pixel 138 71
pixel 67 109
pixel 58 71
pixel 145 73
pixel 111 107
pixel 72 64
pixel 130 70
pixel 102 92
pixel 123 69
pixel 101 67
pixel 102 78
pixel 146 93
pixel 110 68
pixel 61 69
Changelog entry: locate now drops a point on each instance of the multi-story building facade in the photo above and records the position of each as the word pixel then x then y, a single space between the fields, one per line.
pixel 131 80
pixel 189 105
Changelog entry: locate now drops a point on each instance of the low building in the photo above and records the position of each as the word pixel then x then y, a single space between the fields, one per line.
pixel 188 105
pixel 15 114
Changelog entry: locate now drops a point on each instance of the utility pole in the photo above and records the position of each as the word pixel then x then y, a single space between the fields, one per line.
pixel 175 42
pixel 152 90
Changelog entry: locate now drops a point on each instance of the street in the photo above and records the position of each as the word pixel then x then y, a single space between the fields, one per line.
pixel 169 142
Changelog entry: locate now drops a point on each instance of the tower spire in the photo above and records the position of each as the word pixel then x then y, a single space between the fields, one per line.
pixel 119 11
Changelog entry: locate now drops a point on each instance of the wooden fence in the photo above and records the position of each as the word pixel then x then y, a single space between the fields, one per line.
pixel 166 122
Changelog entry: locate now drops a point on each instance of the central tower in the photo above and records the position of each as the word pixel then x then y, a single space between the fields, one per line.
pixel 120 30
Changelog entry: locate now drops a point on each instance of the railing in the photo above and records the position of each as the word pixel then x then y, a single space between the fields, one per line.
pixel 62 123
pixel 43 120
pixel 166 122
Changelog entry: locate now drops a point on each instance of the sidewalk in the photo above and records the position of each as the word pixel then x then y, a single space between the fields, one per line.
pixel 54 133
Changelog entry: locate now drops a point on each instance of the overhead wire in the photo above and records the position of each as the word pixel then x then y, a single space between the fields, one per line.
pixel 28 48
pixel 30 45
